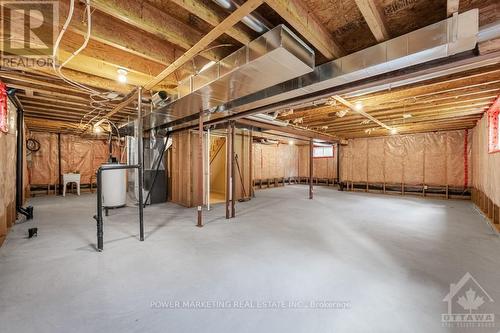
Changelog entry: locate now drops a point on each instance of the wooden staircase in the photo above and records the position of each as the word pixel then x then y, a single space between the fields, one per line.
pixel 216 147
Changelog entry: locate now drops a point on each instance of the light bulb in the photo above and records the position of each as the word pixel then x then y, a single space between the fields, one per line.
pixel 358 106
pixel 122 75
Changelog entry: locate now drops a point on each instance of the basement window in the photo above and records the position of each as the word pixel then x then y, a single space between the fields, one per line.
pixel 322 152
pixel 494 128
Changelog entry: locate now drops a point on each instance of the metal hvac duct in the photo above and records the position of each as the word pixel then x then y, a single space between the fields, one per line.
pixel 446 38
pixel 452 36
pixel 276 56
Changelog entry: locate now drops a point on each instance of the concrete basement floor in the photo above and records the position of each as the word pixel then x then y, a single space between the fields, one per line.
pixel 392 258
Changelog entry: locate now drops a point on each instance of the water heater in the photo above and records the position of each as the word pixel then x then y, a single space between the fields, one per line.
pixel 114 187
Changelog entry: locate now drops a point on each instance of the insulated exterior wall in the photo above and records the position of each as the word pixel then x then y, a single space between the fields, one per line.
pixel 323 167
pixel 376 158
pixel 438 158
pixel 77 155
pixel 485 166
pixel 8 174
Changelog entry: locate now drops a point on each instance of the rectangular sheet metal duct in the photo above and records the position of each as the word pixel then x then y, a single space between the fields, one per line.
pixel 276 56
pixel 452 36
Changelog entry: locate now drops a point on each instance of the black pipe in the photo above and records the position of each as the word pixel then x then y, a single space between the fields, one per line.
pixel 140 159
pixel 110 143
pixel 28 211
pixel 100 233
pixel 160 158
pixel 98 216
pixel 19 160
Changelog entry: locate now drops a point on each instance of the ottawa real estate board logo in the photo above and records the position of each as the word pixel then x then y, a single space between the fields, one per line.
pixel 469 305
pixel 28 33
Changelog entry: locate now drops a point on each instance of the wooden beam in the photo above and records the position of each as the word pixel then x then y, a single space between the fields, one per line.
pixel 207 14
pixel 228 22
pixel 452 7
pixel 122 36
pixel 106 55
pixel 302 134
pixel 380 113
pixel 85 78
pixel 399 121
pixel 353 108
pixel 303 20
pixel 401 97
pixel 144 16
pixel 373 18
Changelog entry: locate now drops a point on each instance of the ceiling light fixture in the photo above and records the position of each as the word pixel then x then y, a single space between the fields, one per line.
pixel 97 129
pixel 358 106
pixel 291 143
pixel 122 75
pixel 393 131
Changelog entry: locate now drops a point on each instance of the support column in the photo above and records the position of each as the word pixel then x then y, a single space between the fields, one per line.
pixel 208 144
pixel 200 170
pixel 252 194
pixel 311 151
pixel 338 163
pixel 233 182
pixel 228 169
pixel 140 161
pixel 20 157
pixel 59 165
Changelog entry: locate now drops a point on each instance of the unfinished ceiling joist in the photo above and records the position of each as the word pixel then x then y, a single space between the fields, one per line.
pixel 146 17
pixel 125 37
pixel 452 7
pixel 302 20
pixel 373 19
pixel 298 132
pixel 204 12
pixel 220 29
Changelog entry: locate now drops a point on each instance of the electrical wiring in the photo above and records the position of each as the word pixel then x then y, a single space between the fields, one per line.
pixel 97 99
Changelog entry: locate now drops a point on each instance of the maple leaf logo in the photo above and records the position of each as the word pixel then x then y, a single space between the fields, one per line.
pixel 470 301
